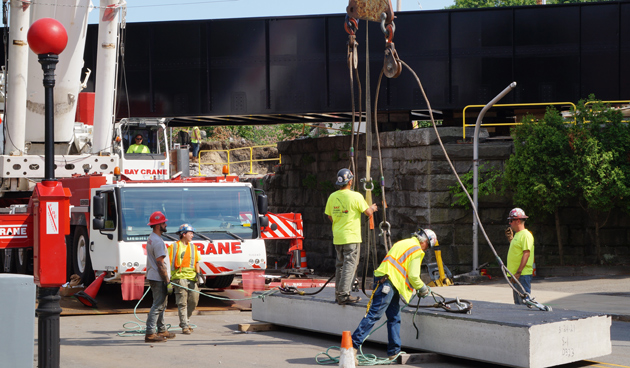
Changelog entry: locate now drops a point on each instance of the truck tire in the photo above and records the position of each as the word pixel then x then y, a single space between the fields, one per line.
pixel 81 262
pixel 23 260
pixel 219 282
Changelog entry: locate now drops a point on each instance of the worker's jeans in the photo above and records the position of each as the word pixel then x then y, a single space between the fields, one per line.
pixel 186 300
pixel 156 314
pixel 526 281
pixel 195 149
pixel 382 303
pixel 346 267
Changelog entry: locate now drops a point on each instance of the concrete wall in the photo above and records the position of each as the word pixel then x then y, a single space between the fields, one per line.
pixel 417 178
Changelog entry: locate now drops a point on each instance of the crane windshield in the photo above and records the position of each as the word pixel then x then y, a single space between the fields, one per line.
pixel 215 212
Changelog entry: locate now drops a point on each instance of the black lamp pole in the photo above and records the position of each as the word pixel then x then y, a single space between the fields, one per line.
pixel 48 310
pixel 49 64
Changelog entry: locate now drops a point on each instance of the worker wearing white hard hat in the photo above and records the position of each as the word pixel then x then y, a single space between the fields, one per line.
pixel 184 257
pixel 396 278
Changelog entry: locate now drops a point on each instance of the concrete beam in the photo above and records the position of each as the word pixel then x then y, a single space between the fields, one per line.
pixel 504 334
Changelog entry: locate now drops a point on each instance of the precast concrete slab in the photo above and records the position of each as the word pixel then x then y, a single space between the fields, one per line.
pixel 509 335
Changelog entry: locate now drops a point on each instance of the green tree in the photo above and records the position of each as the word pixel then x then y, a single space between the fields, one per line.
pixel 465 4
pixel 489 183
pixel 601 166
pixel 539 172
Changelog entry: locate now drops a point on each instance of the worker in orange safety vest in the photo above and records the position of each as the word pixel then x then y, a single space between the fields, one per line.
pixel 184 257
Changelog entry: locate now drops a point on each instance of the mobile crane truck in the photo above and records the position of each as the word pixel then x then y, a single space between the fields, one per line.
pixel 112 192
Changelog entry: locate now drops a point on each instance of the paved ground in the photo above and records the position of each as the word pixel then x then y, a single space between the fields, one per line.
pixel 93 341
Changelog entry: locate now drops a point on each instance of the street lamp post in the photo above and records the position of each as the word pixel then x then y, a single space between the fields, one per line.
pixel 48 38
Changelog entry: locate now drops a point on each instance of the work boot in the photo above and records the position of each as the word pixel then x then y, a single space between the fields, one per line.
pixel 349 300
pixel 187 330
pixel 154 338
pixel 168 335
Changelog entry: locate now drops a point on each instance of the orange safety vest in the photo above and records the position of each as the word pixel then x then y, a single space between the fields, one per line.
pixel 188 260
pixel 396 264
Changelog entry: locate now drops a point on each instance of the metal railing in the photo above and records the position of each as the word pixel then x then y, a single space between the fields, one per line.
pixel 229 163
pixel 610 103
pixel 464 125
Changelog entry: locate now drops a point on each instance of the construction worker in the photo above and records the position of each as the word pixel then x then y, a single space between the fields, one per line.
pixel 138 147
pixel 397 277
pixel 195 138
pixel 344 209
pixel 184 257
pixel 158 276
pixel 520 257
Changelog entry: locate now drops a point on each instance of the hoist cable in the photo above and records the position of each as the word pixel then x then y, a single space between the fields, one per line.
pixel 527 298
pixel 387 241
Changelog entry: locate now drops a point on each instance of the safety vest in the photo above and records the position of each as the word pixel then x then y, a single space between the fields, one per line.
pixel 188 260
pixel 138 148
pixel 196 135
pixel 396 265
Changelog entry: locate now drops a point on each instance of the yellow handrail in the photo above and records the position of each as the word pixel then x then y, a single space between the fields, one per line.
pixel 609 102
pixel 229 163
pixel 464 125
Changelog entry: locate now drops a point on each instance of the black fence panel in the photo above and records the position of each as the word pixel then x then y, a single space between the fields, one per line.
pixel 298 65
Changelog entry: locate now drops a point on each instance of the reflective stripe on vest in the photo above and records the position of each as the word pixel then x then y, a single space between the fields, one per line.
pixel 396 265
pixel 189 258
pixel 399 264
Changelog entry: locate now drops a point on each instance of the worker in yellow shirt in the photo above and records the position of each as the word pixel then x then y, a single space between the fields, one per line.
pixel 520 259
pixel 344 208
pixel 184 257
pixel 138 147
pixel 396 278
pixel 195 138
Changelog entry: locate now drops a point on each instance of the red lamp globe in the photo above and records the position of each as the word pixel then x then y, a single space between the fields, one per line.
pixel 47 36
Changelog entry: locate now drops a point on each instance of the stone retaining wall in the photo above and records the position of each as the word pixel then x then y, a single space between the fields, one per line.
pixel 417 178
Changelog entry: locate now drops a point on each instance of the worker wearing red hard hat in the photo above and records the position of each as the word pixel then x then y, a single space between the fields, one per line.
pixel 520 259
pixel 158 274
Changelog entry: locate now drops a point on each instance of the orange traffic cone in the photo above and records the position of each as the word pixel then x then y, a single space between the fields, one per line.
pixel 347 358
pixel 87 296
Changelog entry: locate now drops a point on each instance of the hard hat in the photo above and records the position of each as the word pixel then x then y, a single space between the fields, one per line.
pixel 517 213
pixel 157 217
pixel 427 234
pixel 184 228
pixel 343 177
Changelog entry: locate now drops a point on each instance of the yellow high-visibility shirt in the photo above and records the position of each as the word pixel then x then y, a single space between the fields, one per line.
pixel 345 207
pixel 138 148
pixel 523 240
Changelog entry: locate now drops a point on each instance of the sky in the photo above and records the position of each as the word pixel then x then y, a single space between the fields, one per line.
pixel 165 10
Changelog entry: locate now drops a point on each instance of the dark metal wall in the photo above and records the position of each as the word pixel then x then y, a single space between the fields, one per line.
pixel 298 65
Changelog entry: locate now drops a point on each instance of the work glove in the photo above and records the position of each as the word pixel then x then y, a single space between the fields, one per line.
pixel 169 288
pixel 509 234
pixel 201 278
pixel 424 291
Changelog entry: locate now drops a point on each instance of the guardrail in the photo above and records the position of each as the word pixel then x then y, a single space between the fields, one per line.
pixel 229 163
pixel 464 125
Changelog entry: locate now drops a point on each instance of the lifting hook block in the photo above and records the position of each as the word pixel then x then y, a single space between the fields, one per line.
pixel 371 10
pixel 392 67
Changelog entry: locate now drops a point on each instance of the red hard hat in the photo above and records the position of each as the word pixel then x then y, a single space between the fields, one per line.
pixel 157 217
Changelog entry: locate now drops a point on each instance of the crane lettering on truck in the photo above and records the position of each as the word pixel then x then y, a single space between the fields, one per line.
pixel 18 232
pixel 220 248
pixel 145 171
